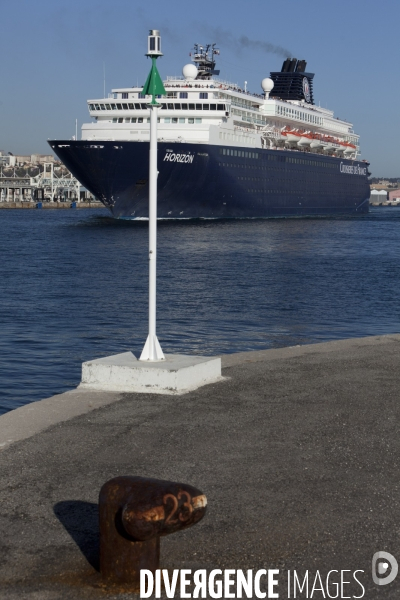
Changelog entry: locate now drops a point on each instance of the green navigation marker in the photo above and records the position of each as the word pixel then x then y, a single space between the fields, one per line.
pixel 154 85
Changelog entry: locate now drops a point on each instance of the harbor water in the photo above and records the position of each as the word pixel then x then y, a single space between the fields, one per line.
pixel 74 287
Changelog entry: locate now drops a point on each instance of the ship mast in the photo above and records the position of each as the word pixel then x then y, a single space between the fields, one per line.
pixel 203 57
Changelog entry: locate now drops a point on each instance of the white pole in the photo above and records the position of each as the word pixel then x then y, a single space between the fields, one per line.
pixel 152 349
pixel 152 223
pixel 76 129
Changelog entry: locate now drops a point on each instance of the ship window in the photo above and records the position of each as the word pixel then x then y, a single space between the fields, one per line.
pixel 190 121
pixel 223 150
pixel 213 107
pixel 124 95
pixel 125 106
pixel 177 107
pixel 172 94
pixel 181 120
pixel 184 106
pixel 174 119
pixel 163 106
pixel 91 107
pixel 167 120
pixel 97 107
pixel 120 120
pixel 143 106
pixel 221 107
pixel 183 94
pixel 130 106
pixel 127 120
pixel 191 106
pixel 203 95
pixel 235 153
pixel 141 95
pixel 206 107
pixel 137 106
pixel 140 120
pixel 148 120
pixel 119 106
pixel 133 120
pixel 170 106
pixel 108 107
pixel 115 120
pixel 113 106
pixel 198 106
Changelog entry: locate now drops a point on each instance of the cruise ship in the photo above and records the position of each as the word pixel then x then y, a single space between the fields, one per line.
pixel 223 152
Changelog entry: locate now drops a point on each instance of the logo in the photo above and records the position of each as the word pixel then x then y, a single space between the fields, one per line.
pixel 381 561
pixel 181 158
pixel 306 90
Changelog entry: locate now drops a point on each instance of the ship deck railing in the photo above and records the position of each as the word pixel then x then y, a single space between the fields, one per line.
pixel 214 83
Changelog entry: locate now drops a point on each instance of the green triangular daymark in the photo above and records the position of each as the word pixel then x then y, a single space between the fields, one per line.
pixel 154 85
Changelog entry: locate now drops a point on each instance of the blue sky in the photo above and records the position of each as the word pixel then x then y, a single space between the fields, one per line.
pixel 53 54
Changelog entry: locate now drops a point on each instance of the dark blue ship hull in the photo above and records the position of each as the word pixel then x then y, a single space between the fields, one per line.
pixel 207 181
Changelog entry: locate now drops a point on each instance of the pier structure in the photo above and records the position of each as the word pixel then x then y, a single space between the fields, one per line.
pixel 36 180
pixel 297 451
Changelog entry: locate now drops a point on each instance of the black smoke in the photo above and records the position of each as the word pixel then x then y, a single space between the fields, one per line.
pixel 239 43
pixel 245 42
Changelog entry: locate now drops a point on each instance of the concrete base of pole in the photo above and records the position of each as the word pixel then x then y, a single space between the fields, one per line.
pixel 177 374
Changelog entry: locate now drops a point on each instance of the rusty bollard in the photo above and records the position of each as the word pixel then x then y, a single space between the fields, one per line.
pixel 134 512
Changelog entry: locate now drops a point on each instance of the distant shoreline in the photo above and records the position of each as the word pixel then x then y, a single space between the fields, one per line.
pixel 47 205
pixel 64 205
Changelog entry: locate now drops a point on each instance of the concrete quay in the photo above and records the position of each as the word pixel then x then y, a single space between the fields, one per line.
pixel 297 450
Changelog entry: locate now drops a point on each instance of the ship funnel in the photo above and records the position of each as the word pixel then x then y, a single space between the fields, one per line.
pixel 292 82
pixel 301 66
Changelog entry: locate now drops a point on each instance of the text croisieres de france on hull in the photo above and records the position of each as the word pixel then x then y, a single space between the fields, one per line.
pixel 232 583
pixel 353 169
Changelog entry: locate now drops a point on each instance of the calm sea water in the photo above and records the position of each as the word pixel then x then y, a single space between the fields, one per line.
pixel 74 287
